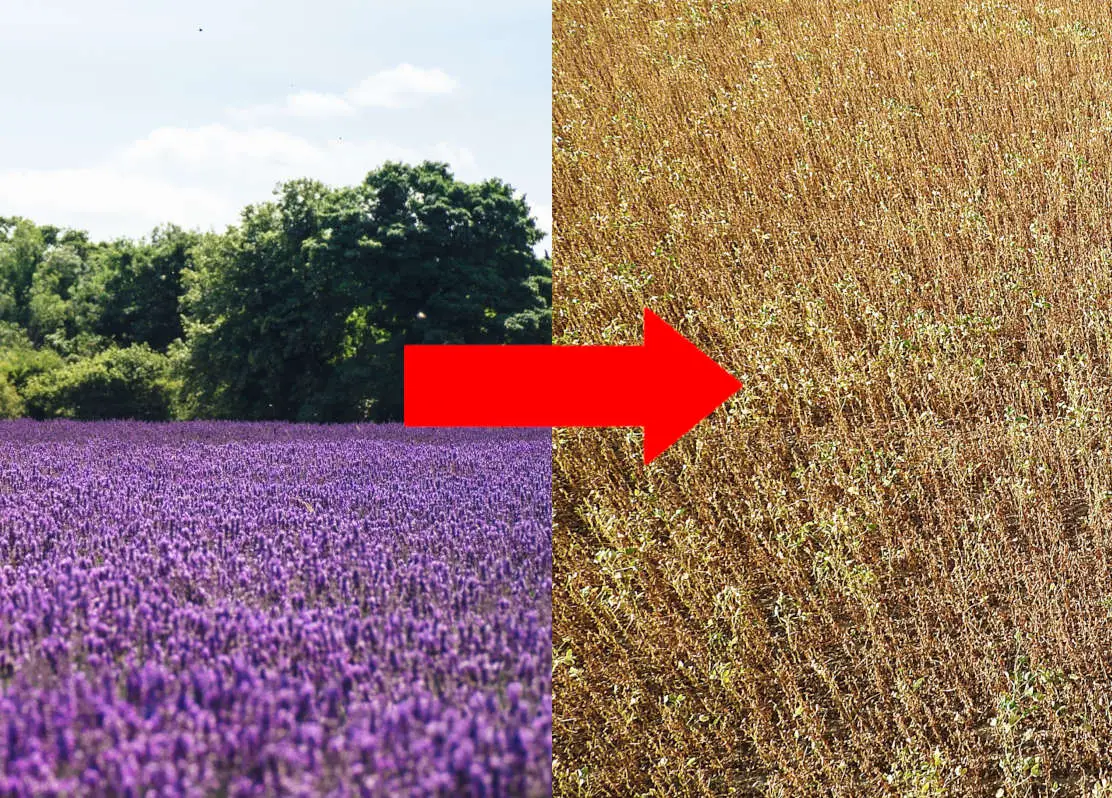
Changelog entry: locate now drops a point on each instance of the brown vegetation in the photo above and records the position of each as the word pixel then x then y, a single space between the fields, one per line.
pixel 886 566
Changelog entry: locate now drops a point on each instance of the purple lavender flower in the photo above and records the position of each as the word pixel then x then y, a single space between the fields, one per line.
pixel 251 609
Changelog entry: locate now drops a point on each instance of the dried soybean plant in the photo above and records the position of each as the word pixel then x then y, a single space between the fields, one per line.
pixel 884 568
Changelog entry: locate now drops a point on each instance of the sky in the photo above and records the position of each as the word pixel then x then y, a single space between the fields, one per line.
pixel 120 115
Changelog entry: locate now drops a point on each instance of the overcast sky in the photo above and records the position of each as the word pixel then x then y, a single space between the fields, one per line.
pixel 118 115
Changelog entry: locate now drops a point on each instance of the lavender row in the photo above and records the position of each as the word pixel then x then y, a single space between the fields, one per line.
pixel 251 609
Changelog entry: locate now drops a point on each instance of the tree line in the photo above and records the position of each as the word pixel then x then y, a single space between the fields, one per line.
pixel 298 312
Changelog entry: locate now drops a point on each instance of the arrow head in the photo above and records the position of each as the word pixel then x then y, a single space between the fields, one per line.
pixel 683 386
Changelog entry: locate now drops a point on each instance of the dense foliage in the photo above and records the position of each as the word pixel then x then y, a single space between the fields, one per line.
pixel 132 382
pixel 299 312
pixel 233 609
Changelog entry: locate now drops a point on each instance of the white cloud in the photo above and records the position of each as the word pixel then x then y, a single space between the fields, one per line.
pixel 200 177
pixel 217 145
pixel 109 201
pixel 218 151
pixel 303 105
pixel 403 86
pixel 315 104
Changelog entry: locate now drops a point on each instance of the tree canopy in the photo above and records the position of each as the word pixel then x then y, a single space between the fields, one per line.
pixel 298 312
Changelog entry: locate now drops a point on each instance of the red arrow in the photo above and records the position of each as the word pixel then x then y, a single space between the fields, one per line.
pixel 665 385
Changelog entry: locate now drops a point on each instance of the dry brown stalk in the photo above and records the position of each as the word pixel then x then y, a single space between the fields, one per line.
pixel 885 568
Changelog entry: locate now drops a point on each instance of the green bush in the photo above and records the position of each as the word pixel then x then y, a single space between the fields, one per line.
pixel 11 404
pixel 19 363
pixel 20 360
pixel 133 382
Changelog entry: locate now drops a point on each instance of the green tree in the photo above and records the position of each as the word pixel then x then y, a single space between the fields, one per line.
pixel 133 382
pixel 132 295
pixel 48 307
pixel 21 248
pixel 11 404
pixel 20 360
pixel 255 313
pixel 302 311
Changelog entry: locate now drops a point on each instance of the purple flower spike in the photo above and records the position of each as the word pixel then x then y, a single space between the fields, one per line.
pixel 259 609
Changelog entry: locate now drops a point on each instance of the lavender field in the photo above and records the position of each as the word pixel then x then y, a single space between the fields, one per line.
pixel 256 609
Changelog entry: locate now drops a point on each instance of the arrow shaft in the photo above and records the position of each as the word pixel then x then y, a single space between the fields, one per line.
pixel 524 386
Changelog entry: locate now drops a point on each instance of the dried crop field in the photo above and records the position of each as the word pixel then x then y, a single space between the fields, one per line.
pixel 884 568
